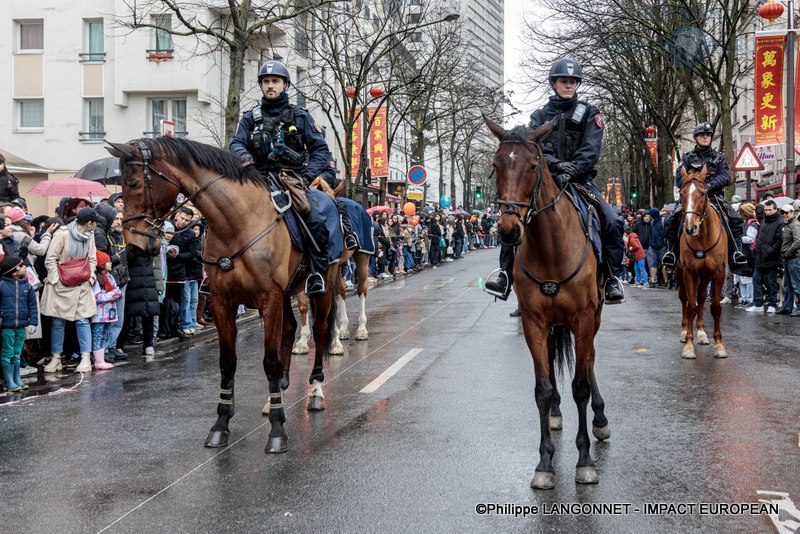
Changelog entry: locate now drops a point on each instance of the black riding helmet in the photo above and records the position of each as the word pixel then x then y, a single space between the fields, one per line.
pixel 703 127
pixel 565 67
pixel 274 68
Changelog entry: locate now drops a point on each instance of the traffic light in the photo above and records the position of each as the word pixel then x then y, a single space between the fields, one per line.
pixel 634 193
pixel 478 192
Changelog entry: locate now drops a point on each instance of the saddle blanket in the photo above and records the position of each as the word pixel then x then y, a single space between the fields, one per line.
pixel 326 208
pixel 362 225
pixel 593 225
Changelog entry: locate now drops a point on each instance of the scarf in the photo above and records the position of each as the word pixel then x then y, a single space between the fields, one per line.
pixel 79 242
pixel 105 282
pixel 275 107
pixel 561 104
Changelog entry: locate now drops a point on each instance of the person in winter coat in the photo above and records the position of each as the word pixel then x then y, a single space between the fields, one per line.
pixel 19 311
pixel 108 239
pixel 9 185
pixel 75 303
pixel 767 259
pixel 744 275
pixel 658 244
pixel 790 250
pixel 639 255
pixel 106 295
pixel 186 269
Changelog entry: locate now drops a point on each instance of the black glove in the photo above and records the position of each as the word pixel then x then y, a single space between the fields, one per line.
pixel 247 159
pixel 563 179
pixel 567 167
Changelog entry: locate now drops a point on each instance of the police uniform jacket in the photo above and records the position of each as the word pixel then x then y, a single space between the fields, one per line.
pixel 577 137
pixel 320 160
pixel 717 173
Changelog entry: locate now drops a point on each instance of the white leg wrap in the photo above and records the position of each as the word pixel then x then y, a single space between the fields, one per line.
pixel 341 318
pixel 362 333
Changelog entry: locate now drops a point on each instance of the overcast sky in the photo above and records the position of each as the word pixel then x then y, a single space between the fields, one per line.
pixel 513 52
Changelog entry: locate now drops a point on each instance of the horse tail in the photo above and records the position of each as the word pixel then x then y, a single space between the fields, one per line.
pixel 563 349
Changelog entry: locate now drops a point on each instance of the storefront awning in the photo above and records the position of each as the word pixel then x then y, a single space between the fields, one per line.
pixel 18 165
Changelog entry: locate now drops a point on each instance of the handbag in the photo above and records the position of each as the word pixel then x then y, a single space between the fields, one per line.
pixel 74 272
pixel 442 243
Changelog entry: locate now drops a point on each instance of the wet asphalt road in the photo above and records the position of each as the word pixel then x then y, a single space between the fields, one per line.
pixel 456 427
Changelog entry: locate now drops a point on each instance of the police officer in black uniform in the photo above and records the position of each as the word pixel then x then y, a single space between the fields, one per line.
pixel 277 135
pixel 717 178
pixel 572 150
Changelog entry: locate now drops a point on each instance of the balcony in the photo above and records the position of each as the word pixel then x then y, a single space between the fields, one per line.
pixel 160 55
pixel 92 57
pixel 91 137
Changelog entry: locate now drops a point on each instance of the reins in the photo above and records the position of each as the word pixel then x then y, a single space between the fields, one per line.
pixel 154 221
pixel 548 287
pixel 701 253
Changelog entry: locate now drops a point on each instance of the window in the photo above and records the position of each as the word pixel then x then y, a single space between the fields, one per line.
pixel 94 46
pixel 30 114
pixel 31 36
pixel 298 84
pixel 93 120
pixel 301 42
pixel 173 110
pixel 415 37
pixel 414 18
pixel 163 39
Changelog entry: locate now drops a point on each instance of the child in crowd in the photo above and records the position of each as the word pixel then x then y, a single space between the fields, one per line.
pixel 106 294
pixel 639 254
pixel 18 311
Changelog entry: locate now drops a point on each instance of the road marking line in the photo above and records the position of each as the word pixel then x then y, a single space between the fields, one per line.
pixel 373 386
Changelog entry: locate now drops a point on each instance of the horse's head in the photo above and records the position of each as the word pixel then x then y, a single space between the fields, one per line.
pixel 694 200
pixel 149 188
pixel 516 165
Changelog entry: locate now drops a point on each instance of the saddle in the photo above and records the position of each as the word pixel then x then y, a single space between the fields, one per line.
pixel 590 209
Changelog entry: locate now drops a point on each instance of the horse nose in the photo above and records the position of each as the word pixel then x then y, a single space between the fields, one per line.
pixel 511 236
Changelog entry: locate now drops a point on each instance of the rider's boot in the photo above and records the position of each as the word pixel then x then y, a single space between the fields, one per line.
pixel 315 283
pixel 350 241
pixel 500 287
pixel 614 292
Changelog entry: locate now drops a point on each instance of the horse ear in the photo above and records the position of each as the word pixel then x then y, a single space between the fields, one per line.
pixel 541 132
pixel 119 150
pixel 495 128
pixel 703 172
pixel 683 172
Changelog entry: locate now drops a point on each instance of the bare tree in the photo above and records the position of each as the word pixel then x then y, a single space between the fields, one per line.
pixel 236 26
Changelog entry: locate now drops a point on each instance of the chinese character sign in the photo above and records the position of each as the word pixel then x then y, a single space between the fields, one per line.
pixel 355 146
pixel 652 147
pixel 379 151
pixel 769 90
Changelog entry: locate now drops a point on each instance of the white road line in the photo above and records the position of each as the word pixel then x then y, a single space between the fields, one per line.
pixel 373 386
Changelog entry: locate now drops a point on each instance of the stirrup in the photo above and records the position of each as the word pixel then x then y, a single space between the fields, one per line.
pixel 739 259
pixel 502 295
pixel 350 241
pixel 668 261
pixel 317 292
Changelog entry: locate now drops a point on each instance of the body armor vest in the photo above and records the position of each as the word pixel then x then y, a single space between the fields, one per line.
pixel 696 162
pixel 567 136
pixel 276 142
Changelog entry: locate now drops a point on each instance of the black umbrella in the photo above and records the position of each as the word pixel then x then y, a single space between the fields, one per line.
pixel 104 170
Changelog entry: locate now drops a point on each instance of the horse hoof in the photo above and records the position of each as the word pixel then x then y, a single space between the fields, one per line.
pixel 721 353
pixel 316 403
pixel 542 480
pixel 586 475
pixel 336 350
pixel 277 445
pixel 601 433
pixel 300 349
pixel 265 409
pixel 556 423
pixel 217 438
pixel 702 338
pixel 688 354
pixel 362 335
pixel 344 334
pixel 683 336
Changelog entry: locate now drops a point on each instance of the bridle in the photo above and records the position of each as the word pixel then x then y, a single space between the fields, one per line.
pixel 701 253
pixel 704 214
pixel 547 287
pixel 150 216
pixel 532 203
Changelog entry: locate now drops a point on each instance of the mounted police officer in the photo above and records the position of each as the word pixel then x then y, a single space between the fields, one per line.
pixel 572 150
pixel 277 135
pixel 717 178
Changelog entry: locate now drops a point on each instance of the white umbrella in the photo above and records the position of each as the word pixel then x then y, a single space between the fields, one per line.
pixel 780 201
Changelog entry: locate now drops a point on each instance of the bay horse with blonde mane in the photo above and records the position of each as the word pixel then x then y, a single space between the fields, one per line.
pixel 558 282
pixel 248 254
pixel 703 258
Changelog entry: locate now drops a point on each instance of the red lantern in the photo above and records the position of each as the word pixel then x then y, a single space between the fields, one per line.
pixel 375 92
pixel 770 11
pixel 650 131
pixel 350 92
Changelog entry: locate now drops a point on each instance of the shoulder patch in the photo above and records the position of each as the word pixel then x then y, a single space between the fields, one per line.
pixel 599 120
pixel 317 128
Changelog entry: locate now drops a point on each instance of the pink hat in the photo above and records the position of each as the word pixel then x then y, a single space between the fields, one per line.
pixel 15 214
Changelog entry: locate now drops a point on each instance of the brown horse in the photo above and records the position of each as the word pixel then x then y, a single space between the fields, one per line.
pixel 559 288
pixel 248 254
pixel 703 257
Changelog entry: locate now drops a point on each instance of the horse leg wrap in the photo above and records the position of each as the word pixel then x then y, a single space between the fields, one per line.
pixel 226 396
pixel 317 374
pixel 276 407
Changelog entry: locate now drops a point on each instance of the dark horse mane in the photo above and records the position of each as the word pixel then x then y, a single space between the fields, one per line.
pixel 195 154
pixel 518 134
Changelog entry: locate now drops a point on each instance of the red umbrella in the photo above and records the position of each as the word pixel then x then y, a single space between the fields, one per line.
pixel 373 209
pixel 70 187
